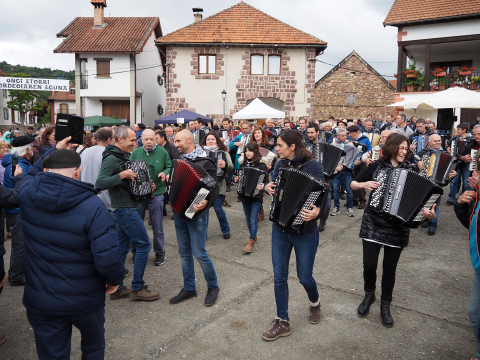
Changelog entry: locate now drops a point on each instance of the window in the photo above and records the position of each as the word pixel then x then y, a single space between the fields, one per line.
pixel 103 68
pixel 5 93
pixel 207 64
pixel 256 65
pixel 63 108
pixel 5 113
pixel 351 99
pixel 72 91
pixel 274 65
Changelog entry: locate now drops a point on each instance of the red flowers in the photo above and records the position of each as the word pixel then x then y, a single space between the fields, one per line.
pixel 409 72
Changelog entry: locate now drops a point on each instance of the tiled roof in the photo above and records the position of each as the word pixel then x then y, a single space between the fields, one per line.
pixel 406 11
pixel 62 96
pixel 393 83
pixel 241 24
pixel 2 73
pixel 100 2
pixel 120 35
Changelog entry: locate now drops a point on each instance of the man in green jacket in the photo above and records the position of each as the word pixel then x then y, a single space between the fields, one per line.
pixel 130 228
pixel 159 164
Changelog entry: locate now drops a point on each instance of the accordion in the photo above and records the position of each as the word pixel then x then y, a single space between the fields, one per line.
pixel 141 188
pixel 473 154
pixel 402 194
pixel 329 156
pixel 269 156
pixel 325 136
pixel 217 155
pixel 248 180
pixel 188 185
pixel 198 135
pixel 352 154
pixel 271 136
pixel 245 140
pixel 438 166
pixel 278 130
pixel 457 146
pixel 421 142
pixel 376 154
pixel 296 190
pixel 374 138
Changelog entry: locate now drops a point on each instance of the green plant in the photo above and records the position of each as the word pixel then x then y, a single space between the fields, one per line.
pixel 442 80
pixel 420 79
pixel 411 74
pixel 475 80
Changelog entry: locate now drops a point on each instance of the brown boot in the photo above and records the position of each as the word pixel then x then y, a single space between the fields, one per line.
pixel 121 293
pixel 249 246
pixel 280 328
pixel 144 294
pixel 261 214
pixel 314 317
pixel 255 240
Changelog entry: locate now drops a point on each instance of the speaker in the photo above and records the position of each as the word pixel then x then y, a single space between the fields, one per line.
pixel 445 119
pixel 69 125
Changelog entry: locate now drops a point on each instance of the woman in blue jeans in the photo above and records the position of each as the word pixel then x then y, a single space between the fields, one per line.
pixel 293 154
pixel 212 142
pixel 251 206
pixel 467 210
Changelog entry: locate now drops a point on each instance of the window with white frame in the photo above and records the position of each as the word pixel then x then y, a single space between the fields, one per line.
pixel 5 93
pixel 256 65
pixel 5 113
pixel 351 99
pixel 274 65
pixel 207 64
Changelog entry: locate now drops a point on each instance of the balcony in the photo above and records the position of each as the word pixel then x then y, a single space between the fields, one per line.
pixel 84 80
pixel 441 80
pixel 65 111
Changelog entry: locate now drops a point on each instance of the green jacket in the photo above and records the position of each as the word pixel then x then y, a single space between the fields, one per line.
pixel 158 161
pixel 109 178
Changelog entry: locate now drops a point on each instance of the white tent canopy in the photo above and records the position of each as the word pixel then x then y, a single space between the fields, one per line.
pixel 257 109
pixel 412 103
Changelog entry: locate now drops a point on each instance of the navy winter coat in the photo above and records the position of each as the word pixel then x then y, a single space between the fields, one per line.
pixel 8 180
pixel 70 244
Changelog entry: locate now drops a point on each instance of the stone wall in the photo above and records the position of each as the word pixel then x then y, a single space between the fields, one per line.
pixel 353 77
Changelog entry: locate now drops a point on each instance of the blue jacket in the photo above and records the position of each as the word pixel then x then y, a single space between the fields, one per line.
pixel 71 246
pixel 363 140
pixel 8 179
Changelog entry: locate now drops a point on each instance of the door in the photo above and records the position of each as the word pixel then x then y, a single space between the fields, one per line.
pixel 468 115
pixel 119 109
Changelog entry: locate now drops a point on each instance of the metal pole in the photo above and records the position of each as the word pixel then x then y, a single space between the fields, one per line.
pixel 224 108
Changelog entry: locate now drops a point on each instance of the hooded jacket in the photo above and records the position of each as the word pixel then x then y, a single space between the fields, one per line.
pixel 71 246
pixel 8 179
pixel 4 137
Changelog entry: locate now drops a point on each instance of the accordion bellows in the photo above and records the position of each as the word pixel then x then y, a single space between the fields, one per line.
pixel 296 190
pixel 329 156
pixel 438 166
pixel 248 180
pixel 189 184
pixel 141 188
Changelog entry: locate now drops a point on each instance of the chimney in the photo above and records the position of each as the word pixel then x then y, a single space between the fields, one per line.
pixel 197 14
pixel 98 13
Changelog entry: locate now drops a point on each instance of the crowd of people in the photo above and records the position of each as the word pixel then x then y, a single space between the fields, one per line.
pixel 73 219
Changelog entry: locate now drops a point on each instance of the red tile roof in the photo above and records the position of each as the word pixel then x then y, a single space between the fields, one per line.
pixel 120 35
pixel 99 2
pixel 2 73
pixel 62 96
pixel 241 24
pixel 410 11
pixel 393 83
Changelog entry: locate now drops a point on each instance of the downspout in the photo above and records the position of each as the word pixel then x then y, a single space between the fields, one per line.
pixel 135 65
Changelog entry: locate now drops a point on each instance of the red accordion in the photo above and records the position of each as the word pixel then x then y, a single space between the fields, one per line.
pixel 188 185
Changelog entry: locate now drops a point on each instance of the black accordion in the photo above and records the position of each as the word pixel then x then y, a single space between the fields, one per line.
pixel 296 190
pixel 329 156
pixel 141 188
pixel 188 185
pixel 217 155
pixel 438 166
pixel 248 180
pixel 352 154
pixel 325 136
pixel 458 146
pixel 198 135
pixel 402 195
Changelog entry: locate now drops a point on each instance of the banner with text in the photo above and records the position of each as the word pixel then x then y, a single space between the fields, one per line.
pixel 13 83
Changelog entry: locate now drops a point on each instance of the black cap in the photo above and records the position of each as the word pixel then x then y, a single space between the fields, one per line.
pixel 142 126
pixel 62 159
pixel 353 128
pixel 22 141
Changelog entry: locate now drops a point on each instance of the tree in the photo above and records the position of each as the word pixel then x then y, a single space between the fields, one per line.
pixel 47 117
pixel 23 101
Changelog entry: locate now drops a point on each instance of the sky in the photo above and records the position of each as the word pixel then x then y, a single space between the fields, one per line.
pixel 28 28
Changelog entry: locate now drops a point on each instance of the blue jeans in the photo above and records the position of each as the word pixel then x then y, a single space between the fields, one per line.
pixel 229 177
pixel 17 257
pixel 155 211
pixel 344 178
pixel 462 176
pixel 221 216
pixel 251 210
pixel 192 238
pixel 130 229
pixel 432 224
pixel 474 310
pixel 305 246
pixel 53 334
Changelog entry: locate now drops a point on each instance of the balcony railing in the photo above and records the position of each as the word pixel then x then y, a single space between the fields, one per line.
pixel 84 80
pixel 442 81
pixel 64 111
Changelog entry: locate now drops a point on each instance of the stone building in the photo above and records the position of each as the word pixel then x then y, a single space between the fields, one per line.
pixel 353 89
pixel 246 53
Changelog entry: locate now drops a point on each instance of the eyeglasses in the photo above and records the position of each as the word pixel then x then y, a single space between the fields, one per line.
pixel 401 148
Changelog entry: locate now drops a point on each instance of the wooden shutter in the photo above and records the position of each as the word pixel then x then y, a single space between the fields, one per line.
pixel 103 68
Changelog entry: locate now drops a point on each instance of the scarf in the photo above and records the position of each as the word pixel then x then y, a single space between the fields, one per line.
pixel 149 151
pixel 197 152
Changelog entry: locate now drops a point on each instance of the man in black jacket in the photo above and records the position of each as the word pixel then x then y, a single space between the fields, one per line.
pixel 192 234
pixel 161 139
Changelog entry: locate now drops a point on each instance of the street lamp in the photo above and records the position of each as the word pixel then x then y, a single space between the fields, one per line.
pixel 224 96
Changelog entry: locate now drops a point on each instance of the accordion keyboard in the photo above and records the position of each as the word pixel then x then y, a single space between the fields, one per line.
pixel 202 195
pixel 312 198
pixel 432 200
pixel 377 194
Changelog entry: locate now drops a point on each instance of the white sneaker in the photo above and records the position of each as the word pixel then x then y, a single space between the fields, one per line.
pixel 350 212
pixel 335 211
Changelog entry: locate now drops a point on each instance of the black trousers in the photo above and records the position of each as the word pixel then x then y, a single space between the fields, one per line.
pixel 359 195
pixel 391 256
pixel 53 334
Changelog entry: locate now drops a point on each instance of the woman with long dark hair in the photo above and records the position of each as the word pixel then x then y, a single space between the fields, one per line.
pixel 376 231
pixel 251 157
pixel 212 142
pixel 293 154
pixel 47 140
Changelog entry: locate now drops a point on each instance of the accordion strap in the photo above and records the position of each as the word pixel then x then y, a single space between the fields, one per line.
pixel 299 167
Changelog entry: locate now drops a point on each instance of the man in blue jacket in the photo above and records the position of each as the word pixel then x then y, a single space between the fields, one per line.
pixel 72 253
pixel 22 150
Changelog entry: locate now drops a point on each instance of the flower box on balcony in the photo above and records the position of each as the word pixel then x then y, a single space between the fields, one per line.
pixel 411 75
pixel 442 87
pixel 440 74
pixel 472 86
pixel 465 72
pixel 410 88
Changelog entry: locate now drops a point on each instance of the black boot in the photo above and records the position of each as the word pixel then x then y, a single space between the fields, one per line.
pixel 387 319
pixel 366 303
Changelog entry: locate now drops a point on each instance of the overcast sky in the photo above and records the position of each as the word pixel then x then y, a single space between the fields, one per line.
pixel 28 27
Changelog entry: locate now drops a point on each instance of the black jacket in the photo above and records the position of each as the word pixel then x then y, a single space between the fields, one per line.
pixel 172 151
pixel 211 168
pixel 376 227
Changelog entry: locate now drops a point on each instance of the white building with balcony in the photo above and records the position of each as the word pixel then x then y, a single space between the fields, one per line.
pixel 118 68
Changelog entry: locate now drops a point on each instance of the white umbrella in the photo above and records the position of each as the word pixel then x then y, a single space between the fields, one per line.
pixel 413 103
pixel 257 109
pixel 455 97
